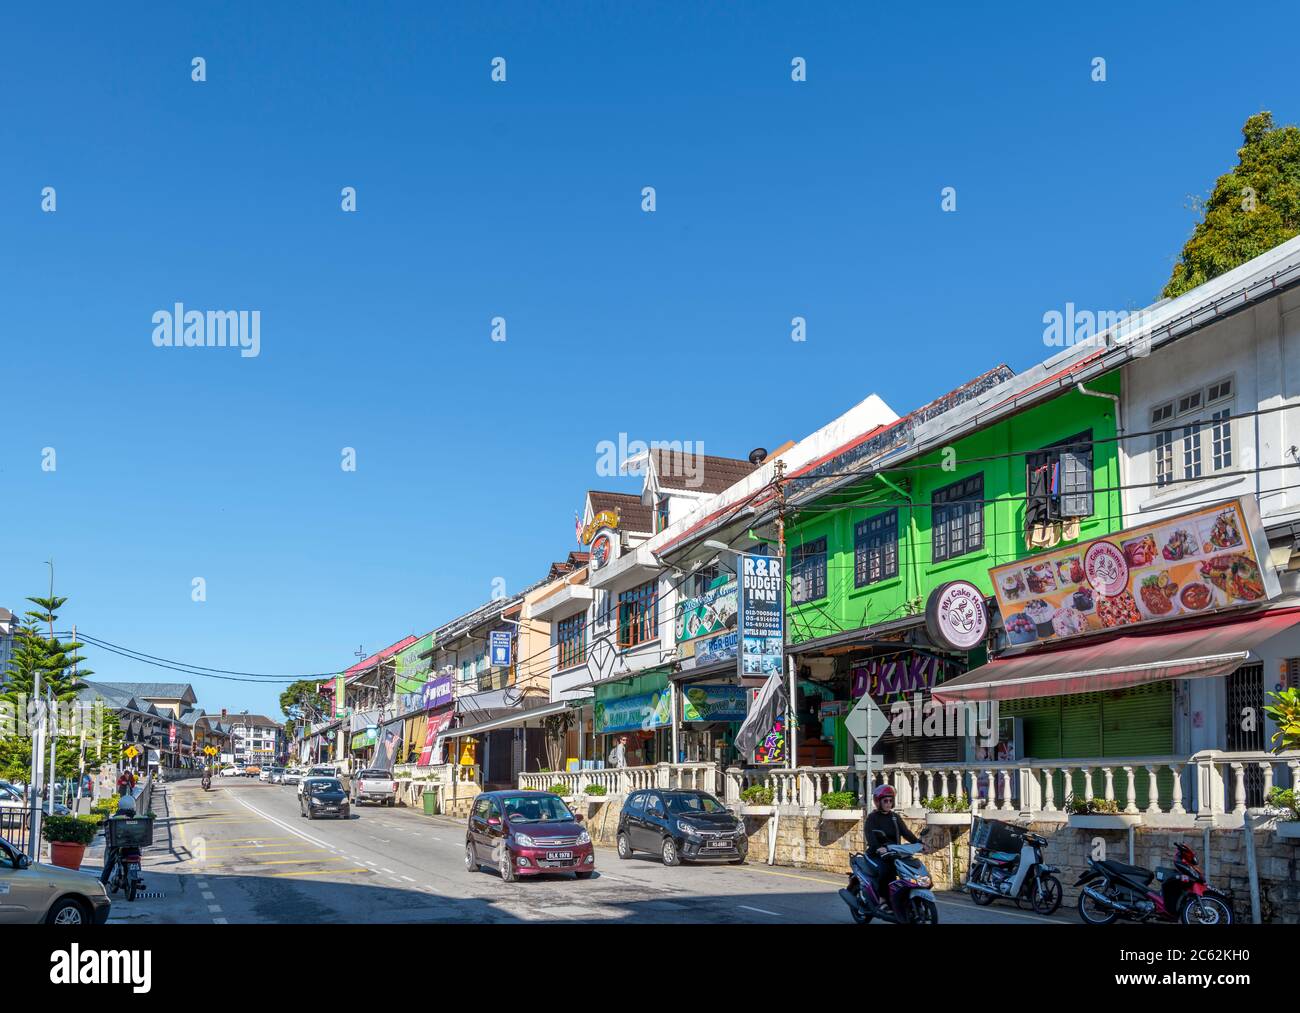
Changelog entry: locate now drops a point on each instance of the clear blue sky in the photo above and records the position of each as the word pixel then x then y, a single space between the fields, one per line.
pixel 522 200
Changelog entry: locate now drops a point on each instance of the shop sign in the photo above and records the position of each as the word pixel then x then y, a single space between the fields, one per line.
pixel 437 723
pixel 410 669
pixel 604 519
pixel 602 550
pixel 633 713
pixel 771 750
pixel 436 693
pixel 762 614
pixel 908 673
pixel 340 695
pixel 955 616
pixel 499 651
pixel 1195 563
pixel 715 703
pixel 713 650
pixel 363 740
pixel 712 611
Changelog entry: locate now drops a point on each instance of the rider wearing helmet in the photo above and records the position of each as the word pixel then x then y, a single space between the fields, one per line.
pixel 125 810
pixel 886 822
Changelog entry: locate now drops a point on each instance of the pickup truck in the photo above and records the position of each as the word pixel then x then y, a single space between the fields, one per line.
pixel 374 785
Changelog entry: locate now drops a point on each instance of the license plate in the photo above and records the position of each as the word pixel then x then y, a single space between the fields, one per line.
pixel 718 844
pixel 557 856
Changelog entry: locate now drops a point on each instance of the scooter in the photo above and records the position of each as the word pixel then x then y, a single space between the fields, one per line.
pixel 1015 876
pixel 125 872
pixel 908 898
pixel 207 782
pixel 1113 890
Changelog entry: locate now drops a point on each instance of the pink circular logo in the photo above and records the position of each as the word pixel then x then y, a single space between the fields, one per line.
pixel 957 610
pixel 1106 569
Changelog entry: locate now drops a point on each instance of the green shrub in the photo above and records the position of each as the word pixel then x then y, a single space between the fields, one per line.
pixel 596 789
pixel 1094 807
pixel 947 804
pixel 558 789
pixel 839 800
pixel 1286 800
pixel 69 829
pixel 757 794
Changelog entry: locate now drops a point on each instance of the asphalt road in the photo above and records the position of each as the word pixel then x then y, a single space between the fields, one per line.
pixel 241 853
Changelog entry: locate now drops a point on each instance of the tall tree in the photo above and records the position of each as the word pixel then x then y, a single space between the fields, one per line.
pixel 301 704
pixel 1253 208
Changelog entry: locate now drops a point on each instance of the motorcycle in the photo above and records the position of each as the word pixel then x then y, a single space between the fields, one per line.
pixel 1113 890
pixel 207 782
pixel 1016 875
pixel 124 873
pixel 908 898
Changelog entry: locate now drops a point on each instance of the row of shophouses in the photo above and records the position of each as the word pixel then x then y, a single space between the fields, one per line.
pixel 1136 671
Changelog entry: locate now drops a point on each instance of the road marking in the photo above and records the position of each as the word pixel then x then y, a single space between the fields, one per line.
pixel 320 872
pixel 373 865
pixel 791 875
pixel 214 908
pixel 290 861
pixel 209 896
pixel 282 825
pixel 762 911
pixel 389 871
pixel 408 879
pixel 220 921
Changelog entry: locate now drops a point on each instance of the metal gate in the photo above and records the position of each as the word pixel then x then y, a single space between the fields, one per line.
pixel 1245 731
pixel 16 827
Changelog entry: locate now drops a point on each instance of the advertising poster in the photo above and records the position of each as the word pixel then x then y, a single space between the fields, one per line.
pixel 411 671
pixel 1195 563
pixel 762 614
pixel 715 703
pixel 643 712
pixel 710 613
pixel 432 751
pixel 771 750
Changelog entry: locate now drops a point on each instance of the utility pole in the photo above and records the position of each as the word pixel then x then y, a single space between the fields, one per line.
pixel 791 702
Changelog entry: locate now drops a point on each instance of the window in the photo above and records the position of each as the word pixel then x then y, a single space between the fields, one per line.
pixel 957 513
pixel 875 549
pixel 572 639
pixel 661 514
pixel 638 619
pixel 636 803
pixel 703 579
pixel 808 571
pixel 1058 480
pixel 1191 445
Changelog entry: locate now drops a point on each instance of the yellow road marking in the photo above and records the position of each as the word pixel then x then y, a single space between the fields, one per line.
pixel 250 854
pixel 296 861
pixel 321 872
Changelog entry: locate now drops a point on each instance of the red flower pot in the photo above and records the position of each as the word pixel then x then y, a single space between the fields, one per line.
pixel 67 855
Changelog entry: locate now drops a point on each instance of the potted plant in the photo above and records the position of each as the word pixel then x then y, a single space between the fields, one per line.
pixel 559 789
pixel 596 789
pixel 947 811
pixel 840 805
pixel 68 837
pixel 1284 803
pixel 756 800
pixel 1099 814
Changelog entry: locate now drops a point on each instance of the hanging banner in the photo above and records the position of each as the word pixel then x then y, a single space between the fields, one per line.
pixel 707 614
pixel 1195 563
pixel 412 665
pixel 432 751
pixel 436 693
pixel 386 745
pixel 642 712
pixel 762 614
pixel 715 703
pixel 340 694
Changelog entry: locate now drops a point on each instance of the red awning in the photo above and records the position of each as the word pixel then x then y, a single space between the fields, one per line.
pixel 1130 659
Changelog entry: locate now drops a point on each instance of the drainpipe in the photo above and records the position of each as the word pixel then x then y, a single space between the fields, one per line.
pixel 1119 426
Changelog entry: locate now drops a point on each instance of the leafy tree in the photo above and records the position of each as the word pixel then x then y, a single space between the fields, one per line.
pixel 1253 208
pixel 301 704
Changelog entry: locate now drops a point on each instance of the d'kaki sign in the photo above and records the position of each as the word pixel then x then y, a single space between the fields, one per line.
pixel 1208 559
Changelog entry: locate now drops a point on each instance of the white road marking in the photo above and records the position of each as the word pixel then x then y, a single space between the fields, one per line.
pixel 220 921
pixel 408 879
pixel 282 825
pixel 209 896
pixel 214 908
pixel 762 911
pixel 389 871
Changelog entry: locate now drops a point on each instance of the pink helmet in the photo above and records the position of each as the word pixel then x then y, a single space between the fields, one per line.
pixel 884 791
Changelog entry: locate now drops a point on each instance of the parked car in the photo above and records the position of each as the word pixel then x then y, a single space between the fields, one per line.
pixel 677 825
pixel 324 796
pixel 32 893
pixel 527 833
pixel 12 796
pixel 318 771
pixel 374 785
pixel 292 776
pixel 231 771
pixel 253 770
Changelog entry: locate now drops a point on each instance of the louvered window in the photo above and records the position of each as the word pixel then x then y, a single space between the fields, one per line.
pixel 957 524
pixel 875 549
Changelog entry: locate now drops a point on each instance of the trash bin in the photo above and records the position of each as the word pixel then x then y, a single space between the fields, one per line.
pixel 431 803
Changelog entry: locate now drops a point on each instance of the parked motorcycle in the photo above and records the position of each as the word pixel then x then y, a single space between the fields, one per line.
pixel 907 900
pixel 1112 890
pixel 1011 866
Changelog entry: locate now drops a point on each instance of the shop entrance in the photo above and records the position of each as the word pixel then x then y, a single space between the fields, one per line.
pixel 1245 731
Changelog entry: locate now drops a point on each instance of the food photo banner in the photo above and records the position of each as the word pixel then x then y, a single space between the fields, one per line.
pixel 1199 562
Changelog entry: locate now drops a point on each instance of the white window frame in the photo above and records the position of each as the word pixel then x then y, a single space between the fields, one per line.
pixel 1196 444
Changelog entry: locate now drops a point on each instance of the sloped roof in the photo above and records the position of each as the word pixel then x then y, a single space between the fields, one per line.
pixel 374 659
pixel 633 515
pixel 155 690
pixel 251 720
pixel 701 473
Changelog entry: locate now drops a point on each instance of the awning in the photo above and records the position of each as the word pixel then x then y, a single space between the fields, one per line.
pixel 517 718
pixel 1130 659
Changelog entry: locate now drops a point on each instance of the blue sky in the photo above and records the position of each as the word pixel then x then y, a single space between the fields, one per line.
pixel 523 200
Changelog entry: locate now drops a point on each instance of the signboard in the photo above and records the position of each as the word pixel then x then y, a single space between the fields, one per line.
pixel 711 612
pixel 713 650
pixel 714 703
pixel 955 616
pixel 411 670
pixel 436 693
pixel 171 736
pixel 633 713
pixel 499 651
pixel 1194 563
pixel 604 519
pixel 771 749
pixel 602 551
pixel 902 673
pixel 866 723
pixel 762 614
pixel 363 740
pixel 432 751
pixel 340 694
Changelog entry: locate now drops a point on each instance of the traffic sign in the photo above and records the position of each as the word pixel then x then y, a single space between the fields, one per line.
pixel 130 752
pixel 866 723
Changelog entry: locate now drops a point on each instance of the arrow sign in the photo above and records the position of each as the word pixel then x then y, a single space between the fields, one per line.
pixel 866 723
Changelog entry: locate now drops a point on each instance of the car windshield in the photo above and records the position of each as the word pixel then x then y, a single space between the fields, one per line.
pixel 317 786
pixel 321 772
pixel 535 809
pixel 691 802
pixel 378 775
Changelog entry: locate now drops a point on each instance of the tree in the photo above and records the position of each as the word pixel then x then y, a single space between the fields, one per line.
pixel 556 727
pixel 1253 208
pixel 301 705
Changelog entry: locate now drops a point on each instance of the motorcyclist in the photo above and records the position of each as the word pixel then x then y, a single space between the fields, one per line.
pixel 125 810
pixel 885 827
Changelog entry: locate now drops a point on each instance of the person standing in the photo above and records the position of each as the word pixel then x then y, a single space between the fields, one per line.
pixel 618 755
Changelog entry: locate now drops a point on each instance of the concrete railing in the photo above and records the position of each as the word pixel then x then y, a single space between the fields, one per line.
pixel 622 780
pixel 1210 785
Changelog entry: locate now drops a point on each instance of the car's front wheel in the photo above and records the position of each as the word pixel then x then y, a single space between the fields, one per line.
pixel 506 866
pixel 624 847
pixel 68 911
pixel 669 853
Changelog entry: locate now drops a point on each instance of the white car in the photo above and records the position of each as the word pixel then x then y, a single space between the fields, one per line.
pixel 292 776
pixel 231 772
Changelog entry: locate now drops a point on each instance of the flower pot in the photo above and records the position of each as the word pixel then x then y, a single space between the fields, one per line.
pixel 947 819
pixel 1104 821
pixel 844 815
pixel 1289 830
pixel 66 855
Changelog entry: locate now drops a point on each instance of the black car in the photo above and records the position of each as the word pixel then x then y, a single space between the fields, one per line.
pixel 678 825
pixel 324 798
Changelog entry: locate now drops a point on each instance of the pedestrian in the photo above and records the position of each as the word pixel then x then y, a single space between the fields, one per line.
pixel 618 755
